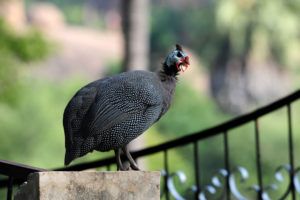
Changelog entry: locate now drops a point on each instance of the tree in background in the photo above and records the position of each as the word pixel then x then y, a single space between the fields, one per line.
pixel 135 24
pixel 135 16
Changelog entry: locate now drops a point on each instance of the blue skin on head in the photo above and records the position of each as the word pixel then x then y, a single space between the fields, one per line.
pixel 174 57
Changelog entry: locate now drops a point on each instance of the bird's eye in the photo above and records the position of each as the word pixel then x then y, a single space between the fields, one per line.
pixel 179 54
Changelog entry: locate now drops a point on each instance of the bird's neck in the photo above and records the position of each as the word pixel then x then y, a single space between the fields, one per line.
pixel 168 78
pixel 169 72
pixel 168 83
pixel 164 77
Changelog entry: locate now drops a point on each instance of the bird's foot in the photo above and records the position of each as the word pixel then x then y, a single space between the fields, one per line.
pixel 133 164
pixel 128 167
pixel 134 167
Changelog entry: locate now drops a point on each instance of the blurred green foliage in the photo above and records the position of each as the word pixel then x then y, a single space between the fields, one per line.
pixel 192 26
pixel 16 49
pixel 190 112
pixel 37 119
pixel 29 47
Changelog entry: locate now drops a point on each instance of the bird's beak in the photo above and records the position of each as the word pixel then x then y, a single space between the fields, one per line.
pixel 183 63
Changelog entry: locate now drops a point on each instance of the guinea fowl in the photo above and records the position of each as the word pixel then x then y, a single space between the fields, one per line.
pixel 109 113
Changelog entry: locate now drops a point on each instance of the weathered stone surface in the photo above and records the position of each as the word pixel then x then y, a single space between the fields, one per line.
pixel 127 185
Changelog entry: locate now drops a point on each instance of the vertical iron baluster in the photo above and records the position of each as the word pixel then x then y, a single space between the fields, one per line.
pixel 10 187
pixel 167 174
pixel 258 160
pixel 197 173
pixel 227 166
pixel 291 151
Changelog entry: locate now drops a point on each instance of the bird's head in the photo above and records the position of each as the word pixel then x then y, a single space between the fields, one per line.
pixel 176 61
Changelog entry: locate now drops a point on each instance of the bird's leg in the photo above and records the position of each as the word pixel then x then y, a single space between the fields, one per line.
pixel 118 159
pixel 133 164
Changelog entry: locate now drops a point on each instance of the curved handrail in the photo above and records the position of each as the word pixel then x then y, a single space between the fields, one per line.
pixel 16 170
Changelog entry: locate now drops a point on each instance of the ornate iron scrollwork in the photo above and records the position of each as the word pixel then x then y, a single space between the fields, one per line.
pixel 244 176
pixel 296 180
pixel 171 185
pixel 216 185
pixel 219 179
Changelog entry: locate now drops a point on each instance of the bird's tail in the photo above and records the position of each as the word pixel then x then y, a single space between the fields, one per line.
pixel 72 154
pixel 68 159
pixel 78 149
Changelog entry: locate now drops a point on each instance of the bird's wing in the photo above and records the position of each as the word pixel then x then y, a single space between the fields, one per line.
pixel 101 116
pixel 76 110
pixel 123 99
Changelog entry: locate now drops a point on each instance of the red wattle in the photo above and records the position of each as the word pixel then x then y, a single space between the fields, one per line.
pixel 178 63
pixel 187 59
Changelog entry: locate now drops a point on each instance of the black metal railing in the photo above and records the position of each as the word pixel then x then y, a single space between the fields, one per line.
pixel 17 173
pixel 230 191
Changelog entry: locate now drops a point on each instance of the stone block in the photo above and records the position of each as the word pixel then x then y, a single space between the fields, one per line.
pixel 124 185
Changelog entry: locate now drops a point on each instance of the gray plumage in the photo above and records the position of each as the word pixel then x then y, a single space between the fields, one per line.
pixel 109 113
